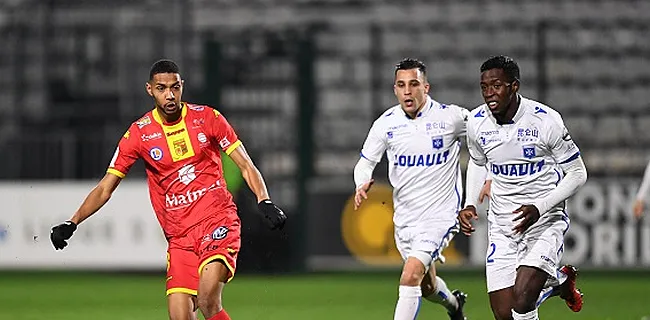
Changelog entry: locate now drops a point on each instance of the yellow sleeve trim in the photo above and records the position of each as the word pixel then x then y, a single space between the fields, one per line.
pixel 218 257
pixel 233 147
pixel 216 113
pixel 116 172
pixel 181 290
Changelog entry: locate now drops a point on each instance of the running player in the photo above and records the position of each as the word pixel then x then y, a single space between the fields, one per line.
pixel 422 139
pixel 535 166
pixel 180 144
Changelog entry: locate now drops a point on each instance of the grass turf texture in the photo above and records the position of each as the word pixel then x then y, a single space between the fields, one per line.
pixel 54 296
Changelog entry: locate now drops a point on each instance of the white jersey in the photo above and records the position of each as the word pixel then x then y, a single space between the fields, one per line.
pixel 423 155
pixel 523 156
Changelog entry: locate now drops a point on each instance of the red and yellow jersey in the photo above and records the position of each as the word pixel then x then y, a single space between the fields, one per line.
pixel 183 165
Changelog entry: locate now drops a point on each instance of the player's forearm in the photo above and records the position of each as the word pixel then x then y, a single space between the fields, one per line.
pixel 96 199
pixel 575 177
pixel 475 179
pixel 255 182
pixel 645 184
pixel 363 171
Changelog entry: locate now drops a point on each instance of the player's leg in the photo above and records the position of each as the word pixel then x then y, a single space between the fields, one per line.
pixel 539 252
pixel 218 241
pixel 528 286
pixel 212 280
pixel 410 293
pixel 182 280
pixel 501 303
pixel 181 306
pixel 500 272
pixel 435 290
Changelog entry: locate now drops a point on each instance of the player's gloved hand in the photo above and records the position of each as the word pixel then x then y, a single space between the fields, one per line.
pixel 61 233
pixel 528 214
pixel 273 215
pixel 465 218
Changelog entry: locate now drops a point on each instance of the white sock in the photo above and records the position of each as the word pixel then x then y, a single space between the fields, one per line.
pixel 532 315
pixel 545 294
pixel 408 303
pixel 442 295
pixel 561 277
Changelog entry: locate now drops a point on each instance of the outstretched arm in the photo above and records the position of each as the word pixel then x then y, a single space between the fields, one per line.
pixel 97 198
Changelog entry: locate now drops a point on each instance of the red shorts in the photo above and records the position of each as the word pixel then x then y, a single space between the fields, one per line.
pixel 213 239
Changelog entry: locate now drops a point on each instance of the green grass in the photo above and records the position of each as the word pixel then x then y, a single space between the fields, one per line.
pixel 54 296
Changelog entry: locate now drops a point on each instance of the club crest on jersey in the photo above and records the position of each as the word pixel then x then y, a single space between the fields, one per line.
pixel 156 153
pixel 180 147
pixel 437 142
pixel 219 233
pixel 529 152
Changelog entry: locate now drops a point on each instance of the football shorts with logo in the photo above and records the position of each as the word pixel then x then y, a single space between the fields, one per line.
pixel 426 240
pixel 541 246
pixel 214 239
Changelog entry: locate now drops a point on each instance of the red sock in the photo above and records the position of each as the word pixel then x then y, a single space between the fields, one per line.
pixel 222 315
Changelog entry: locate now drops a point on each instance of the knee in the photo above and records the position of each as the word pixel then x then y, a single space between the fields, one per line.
pixel 209 304
pixel 524 298
pixel 411 278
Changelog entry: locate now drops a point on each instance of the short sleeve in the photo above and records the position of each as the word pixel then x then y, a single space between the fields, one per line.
pixel 125 154
pixel 476 152
pixel 223 133
pixel 464 117
pixel 375 144
pixel 559 142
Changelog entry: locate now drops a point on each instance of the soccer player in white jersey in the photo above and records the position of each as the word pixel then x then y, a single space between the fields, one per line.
pixel 422 141
pixel 535 166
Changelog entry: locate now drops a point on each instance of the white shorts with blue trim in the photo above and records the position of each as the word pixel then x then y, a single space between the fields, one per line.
pixel 541 246
pixel 426 241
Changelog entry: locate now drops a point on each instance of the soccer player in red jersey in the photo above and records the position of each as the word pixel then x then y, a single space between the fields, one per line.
pixel 180 144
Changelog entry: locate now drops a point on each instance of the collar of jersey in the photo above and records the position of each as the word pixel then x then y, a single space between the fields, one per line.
pixel 159 119
pixel 424 110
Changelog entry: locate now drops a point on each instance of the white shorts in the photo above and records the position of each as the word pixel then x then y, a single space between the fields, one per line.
pixel 541 246
pixel 425 241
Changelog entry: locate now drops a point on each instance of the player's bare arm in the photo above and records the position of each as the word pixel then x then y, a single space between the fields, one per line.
pixel 274 216
pixel 96 199
pixel 250 173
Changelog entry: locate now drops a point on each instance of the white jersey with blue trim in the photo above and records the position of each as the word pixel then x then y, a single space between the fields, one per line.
pixel 523 156
pixel 423 155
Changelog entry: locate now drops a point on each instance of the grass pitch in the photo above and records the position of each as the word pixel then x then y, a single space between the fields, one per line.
pixel 59 296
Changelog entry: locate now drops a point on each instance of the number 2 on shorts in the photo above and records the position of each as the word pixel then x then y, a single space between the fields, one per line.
pixel 489 257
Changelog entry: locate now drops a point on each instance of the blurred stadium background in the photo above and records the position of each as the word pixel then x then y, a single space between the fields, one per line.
pixel 301 81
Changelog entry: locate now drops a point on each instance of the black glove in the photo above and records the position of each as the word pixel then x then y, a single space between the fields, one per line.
pixel 61 233
pixel 273 215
